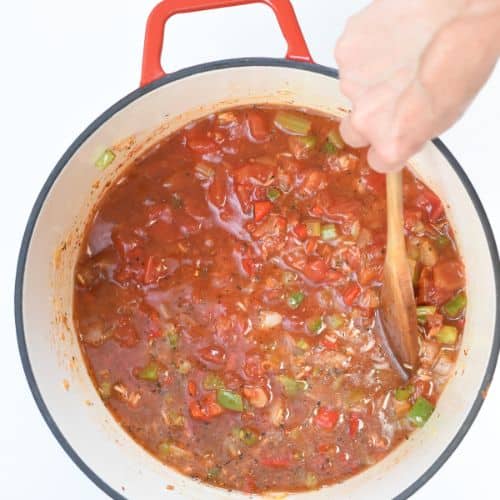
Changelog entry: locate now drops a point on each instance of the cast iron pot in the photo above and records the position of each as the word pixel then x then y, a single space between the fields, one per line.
pixel 49 349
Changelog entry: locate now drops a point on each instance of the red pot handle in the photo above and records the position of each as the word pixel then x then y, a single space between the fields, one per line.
pixel 153 42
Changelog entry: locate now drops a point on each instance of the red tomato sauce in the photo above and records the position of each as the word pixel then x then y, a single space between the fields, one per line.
pixel 225 298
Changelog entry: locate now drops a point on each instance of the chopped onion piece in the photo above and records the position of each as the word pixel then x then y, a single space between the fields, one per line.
pixel 270 319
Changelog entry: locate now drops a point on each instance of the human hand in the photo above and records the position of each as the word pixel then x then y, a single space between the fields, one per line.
pixel 410 69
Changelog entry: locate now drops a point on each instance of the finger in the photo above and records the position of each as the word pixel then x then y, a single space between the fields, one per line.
pixel 380 164
pixel 351 89
pixel 350 135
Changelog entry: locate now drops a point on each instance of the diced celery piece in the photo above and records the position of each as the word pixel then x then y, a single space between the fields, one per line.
pixel 213 473
pixel 230 400
pixel 292 123
pixel 329 148
pixel 403 393
pixel 424 311
pixel 184 367
pixel 288 277
pixel 447 335
pixel 313 228
pixel 213 381
pixel 355 396
pixel 172 337
pixel 311 480
pixel 149 372
pixel 295 299
pixel 328 232
pixel 334 321
pixel 302 345
pixel 291 386
pixel 273 194
pixel 248 437
pixel 336 139
pixel 105 389
pixel 164 449
pixel 456 305
pixel 105 159
pixel 315 325
pixel 420 412
pixel 308 142
pixel 442 241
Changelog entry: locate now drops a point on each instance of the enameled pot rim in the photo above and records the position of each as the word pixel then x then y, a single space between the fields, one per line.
pixel 122 103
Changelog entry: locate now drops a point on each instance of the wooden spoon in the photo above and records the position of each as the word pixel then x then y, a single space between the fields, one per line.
pixel 398 314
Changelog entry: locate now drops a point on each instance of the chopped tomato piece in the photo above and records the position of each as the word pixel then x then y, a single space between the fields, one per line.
pixel 351 293
pixel 213 354
pixel 329 343
pixel 249 484
pixel 155 333
pixel 261 209
pixel 375 182
pixel 191 388
pixel 301 231
pixel 448 275
pixel 257 125
pixel 314 181
pixel 256 396
pixel 249 266
pixel 205 409
pixel 339 209
pixel 326 418
pixel 316 270
pixel 311 245
pixel 432 205
pixel 424 388
pixel 316 210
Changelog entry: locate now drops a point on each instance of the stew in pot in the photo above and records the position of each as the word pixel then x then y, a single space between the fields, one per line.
pixel 225 298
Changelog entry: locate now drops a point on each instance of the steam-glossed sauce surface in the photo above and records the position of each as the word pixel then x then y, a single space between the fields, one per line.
pixel 225 298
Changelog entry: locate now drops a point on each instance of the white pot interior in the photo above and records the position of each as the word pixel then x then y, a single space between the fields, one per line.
pixel 52 347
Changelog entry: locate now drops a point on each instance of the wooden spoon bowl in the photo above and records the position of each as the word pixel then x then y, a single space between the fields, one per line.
pixel 398 314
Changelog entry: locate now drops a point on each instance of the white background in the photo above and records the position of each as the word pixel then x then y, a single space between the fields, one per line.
pixel 63 63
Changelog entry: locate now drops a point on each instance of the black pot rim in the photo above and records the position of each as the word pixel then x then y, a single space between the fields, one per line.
pixel 179 75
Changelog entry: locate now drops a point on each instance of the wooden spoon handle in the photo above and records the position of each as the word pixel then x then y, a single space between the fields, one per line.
pixel 398 308
pixel 396 246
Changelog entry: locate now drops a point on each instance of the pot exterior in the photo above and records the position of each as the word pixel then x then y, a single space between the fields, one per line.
pixel 51 356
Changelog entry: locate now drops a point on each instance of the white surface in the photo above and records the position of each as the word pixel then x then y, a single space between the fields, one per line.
pixel 63 64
